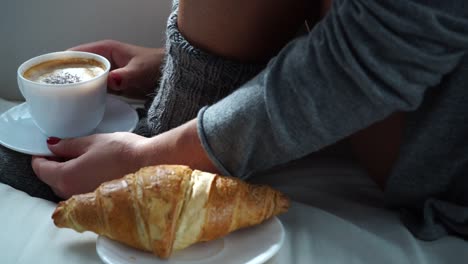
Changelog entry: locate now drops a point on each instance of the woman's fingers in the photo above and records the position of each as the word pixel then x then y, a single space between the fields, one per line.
pixel 135 70
pixel 140 76
pixel 69 148
pixel 50 172
pixel 120 79
pixel 103 48
pixel 62 177
pixel 93 160
pixel 118 53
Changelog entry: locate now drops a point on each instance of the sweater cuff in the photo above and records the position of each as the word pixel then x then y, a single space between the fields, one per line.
pixel 206 145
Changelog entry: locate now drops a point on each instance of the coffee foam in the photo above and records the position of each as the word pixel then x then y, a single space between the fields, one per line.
pixel 64 71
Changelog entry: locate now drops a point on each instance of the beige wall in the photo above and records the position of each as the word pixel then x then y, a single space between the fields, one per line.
pixel 29 28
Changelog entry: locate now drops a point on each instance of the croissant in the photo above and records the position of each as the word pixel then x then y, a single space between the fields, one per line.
pixel 166 208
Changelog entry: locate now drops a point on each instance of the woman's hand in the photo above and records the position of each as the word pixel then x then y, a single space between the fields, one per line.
pixel 82 164
pixel 89 161
pixel 135 70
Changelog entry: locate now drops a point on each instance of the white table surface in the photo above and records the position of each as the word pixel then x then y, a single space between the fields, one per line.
pixel 337 217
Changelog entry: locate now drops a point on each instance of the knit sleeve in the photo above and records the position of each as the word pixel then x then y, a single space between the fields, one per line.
pixel 365 60
pixel 191 78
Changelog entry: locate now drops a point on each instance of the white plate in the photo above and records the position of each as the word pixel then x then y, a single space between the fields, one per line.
pixel 18 131
pixel 253 245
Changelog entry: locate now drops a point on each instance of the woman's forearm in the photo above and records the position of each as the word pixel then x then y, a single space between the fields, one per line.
pixel 180 145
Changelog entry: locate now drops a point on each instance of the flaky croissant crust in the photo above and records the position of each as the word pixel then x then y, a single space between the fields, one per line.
pixel 169 207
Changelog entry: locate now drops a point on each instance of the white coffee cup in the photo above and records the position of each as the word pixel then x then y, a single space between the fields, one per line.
pixel 65 110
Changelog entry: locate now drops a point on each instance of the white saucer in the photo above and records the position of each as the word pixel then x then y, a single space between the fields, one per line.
pixel 18 131
pixel 252 245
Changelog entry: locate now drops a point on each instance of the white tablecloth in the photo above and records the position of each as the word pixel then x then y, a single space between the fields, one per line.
pixel 337 217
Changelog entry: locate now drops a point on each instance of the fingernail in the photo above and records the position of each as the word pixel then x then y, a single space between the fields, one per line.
pixel 53 140
pixel 117 78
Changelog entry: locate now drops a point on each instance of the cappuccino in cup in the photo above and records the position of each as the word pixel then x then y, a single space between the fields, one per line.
pixel 65 92
pixel 65 71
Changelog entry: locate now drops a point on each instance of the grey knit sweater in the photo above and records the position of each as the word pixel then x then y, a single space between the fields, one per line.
pixel 191 79
pixel 364 61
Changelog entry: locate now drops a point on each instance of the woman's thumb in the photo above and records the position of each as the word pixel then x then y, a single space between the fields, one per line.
pixel 120 78
pixel 67 148
pixel 115 80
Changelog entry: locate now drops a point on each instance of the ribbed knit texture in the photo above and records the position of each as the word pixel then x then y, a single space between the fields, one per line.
pixel 191 79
